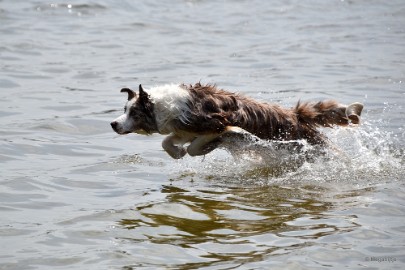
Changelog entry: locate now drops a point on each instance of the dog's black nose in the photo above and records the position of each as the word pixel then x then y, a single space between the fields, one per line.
pixel 114 125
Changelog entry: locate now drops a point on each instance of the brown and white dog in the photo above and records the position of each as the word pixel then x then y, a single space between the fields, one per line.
pixel 196 117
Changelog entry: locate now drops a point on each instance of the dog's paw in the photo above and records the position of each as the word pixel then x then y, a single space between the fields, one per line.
pixel 178 153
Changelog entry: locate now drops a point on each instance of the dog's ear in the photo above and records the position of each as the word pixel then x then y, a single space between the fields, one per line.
pixel 143 96
pixel 131 93
pixel 145 101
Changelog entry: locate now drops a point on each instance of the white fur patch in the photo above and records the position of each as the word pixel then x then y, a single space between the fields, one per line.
pixel 170 102
pixel 124 121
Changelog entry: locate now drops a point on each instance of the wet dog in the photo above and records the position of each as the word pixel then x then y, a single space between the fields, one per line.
pixel 197 117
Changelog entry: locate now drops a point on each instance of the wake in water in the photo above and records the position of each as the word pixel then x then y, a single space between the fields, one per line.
pixel 357 155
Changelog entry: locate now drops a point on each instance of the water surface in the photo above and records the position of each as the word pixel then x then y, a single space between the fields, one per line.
pixel 74 195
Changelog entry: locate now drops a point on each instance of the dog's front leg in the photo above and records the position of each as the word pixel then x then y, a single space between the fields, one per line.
pixel 175 151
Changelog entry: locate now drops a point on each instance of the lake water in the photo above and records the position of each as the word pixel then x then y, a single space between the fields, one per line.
pixel 74 195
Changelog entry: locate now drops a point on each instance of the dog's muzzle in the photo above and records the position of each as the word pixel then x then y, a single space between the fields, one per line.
pixel 114 126
pixel 118 128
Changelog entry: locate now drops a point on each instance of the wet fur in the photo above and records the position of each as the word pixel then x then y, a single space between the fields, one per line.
pixel 206 113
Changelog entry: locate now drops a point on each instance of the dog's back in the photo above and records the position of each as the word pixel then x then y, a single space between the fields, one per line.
pixel 213 109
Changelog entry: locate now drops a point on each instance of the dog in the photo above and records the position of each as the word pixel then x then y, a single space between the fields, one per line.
pixel 197 117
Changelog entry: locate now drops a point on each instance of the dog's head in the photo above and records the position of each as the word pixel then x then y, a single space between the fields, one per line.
pixel 138 114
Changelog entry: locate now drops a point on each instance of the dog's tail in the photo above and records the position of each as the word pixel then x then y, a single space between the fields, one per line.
pixel 328 113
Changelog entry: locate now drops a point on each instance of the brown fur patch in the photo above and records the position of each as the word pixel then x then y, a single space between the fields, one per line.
pixel 213 109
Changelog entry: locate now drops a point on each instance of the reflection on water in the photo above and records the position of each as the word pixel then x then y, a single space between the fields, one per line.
pixel 238 225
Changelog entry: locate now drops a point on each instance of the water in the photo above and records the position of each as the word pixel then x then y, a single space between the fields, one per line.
pixel 74 195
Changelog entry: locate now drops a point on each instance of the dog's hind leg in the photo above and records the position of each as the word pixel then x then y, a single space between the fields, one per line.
pixel 204 144
pixel 175 151
pixel 237 133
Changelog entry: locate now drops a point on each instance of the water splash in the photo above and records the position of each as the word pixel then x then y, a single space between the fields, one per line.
pixel 359 155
